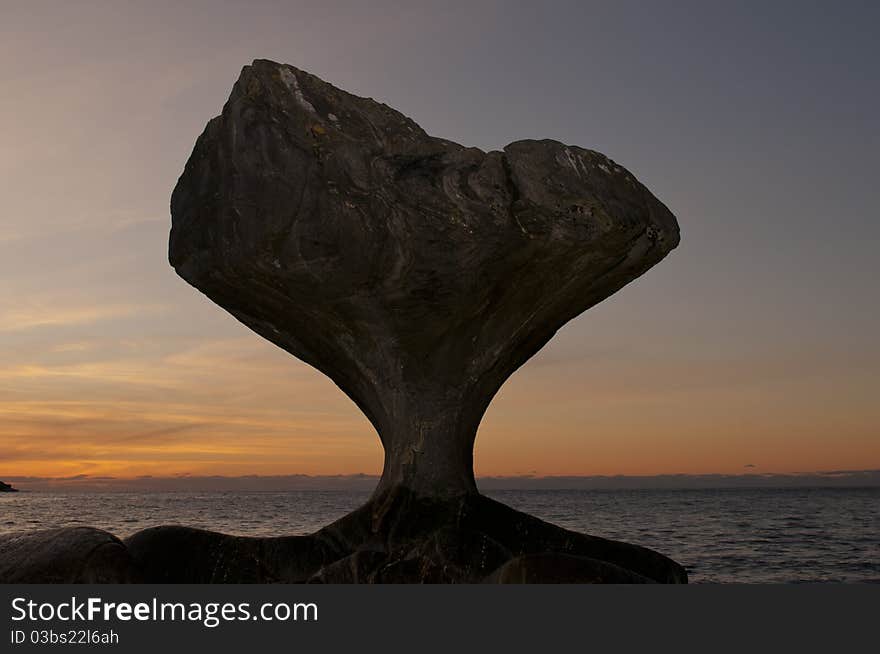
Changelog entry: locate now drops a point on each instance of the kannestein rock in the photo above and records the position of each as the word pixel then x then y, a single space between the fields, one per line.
pixel 416 273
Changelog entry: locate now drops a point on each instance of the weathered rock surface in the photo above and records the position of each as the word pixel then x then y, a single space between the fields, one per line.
pixel 418 275
pixel 74 555
pixel 403 537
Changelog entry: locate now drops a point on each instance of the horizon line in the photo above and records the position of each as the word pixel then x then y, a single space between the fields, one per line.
pixel 366 482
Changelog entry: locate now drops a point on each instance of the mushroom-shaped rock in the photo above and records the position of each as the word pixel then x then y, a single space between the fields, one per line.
pixel 416 273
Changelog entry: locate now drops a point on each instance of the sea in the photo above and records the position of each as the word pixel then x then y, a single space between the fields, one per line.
pixel 763 535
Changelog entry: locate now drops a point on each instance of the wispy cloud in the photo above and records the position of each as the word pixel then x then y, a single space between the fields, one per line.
pixel 72 347
pixel 44 315
pixel 85 227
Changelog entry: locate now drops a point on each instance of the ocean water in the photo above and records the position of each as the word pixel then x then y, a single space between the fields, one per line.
pixel 736 535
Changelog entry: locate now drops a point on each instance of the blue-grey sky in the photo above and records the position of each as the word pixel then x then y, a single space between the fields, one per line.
pixel 753 343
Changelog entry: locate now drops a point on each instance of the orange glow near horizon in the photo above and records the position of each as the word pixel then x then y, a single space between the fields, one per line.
pixel 240 406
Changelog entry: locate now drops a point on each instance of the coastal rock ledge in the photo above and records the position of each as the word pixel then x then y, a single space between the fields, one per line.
pixel 418 275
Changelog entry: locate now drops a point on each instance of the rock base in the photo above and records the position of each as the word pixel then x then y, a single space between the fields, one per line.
pixel 398 537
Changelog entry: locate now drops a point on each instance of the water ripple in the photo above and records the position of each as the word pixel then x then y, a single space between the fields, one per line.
pixel 742 535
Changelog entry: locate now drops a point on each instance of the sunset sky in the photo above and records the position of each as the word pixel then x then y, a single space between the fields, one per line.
pixel 754 343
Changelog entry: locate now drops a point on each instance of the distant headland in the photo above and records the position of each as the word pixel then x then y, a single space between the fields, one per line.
pixel 6 488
